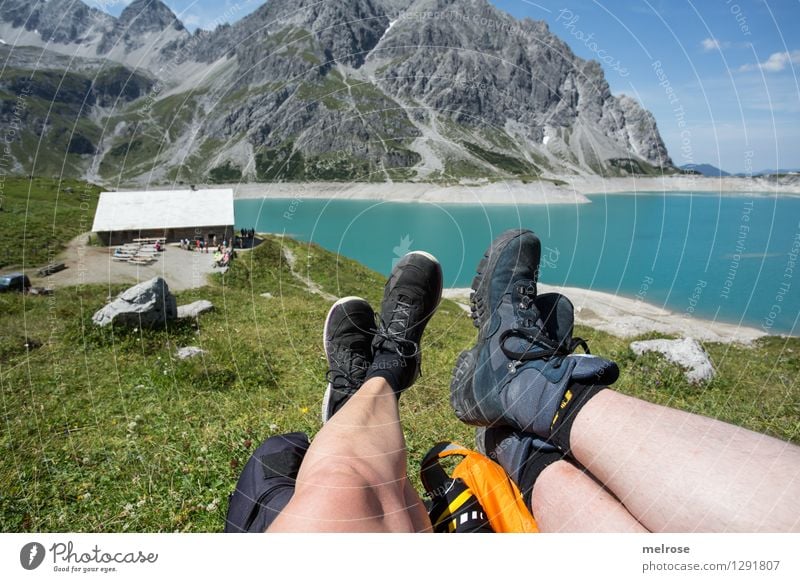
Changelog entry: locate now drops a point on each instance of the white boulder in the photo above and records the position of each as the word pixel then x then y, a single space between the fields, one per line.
pixel 195 309
pixel 687 353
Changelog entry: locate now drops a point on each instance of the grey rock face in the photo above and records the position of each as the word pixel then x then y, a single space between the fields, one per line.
pixel 358 89
pixel 57 21
pixel 687 353
pixel 149 304
pixel 516 88
pixel 195 309
pixel 144 24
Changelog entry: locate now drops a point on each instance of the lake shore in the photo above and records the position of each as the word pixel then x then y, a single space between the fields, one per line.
pixel 627 318
pixel 574 190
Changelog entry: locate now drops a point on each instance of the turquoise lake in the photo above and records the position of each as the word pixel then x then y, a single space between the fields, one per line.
pixel 729 258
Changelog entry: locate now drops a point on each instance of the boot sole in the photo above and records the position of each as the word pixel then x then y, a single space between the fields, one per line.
pixel 481 310
pixel 462 395
pixel 327 397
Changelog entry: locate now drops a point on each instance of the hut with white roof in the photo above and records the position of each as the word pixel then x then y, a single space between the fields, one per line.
pixel 173 215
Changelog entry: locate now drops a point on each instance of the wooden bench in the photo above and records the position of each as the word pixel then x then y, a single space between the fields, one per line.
pixel 141 261
pixel 48 270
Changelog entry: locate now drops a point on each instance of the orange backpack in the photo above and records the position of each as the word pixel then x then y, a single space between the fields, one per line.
pixel 476 477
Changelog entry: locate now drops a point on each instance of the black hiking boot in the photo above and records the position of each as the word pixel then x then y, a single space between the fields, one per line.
pixel 410 298
pixel 520 369
pixel 348 346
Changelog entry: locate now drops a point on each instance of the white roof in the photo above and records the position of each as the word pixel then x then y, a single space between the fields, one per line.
pixel 157 209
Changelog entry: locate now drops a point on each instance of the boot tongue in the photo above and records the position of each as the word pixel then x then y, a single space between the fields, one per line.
pixel 558 316
pixel 527 317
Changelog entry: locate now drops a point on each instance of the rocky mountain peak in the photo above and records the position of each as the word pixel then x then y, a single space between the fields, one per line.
pixel 55 21
pixel 357 89
pixel 149 16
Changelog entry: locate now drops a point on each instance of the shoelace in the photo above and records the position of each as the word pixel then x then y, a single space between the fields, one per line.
pixel 537 339
pixel 342 380
pixel 396 338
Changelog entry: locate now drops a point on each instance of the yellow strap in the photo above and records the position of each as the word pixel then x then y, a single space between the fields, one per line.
pixel 455 504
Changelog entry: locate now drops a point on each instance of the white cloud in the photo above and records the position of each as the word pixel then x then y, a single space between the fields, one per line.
pixel 714 44
pixel 776 62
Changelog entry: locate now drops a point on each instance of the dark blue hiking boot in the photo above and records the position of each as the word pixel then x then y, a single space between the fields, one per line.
pixel 348 335
pixel 509 448
pixel 521 368
pixel 523 456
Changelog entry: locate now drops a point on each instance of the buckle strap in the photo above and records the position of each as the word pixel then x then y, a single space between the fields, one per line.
pixel 539 339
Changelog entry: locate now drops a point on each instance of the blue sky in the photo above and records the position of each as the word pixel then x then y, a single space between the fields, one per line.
pixel 722 77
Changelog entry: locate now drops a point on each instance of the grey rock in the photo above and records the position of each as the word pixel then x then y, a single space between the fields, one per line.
pixel 687 353
pixel 195 309
pixel 189 352
pixel 268 296
pixel 147 305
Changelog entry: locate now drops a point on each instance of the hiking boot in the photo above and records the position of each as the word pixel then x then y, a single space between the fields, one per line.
pixel 348 347
pixel 410 298
pixel 510 449
pixel 523 456
pixel 521 367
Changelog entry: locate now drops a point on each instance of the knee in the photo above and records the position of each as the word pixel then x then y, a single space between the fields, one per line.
pixel 340 474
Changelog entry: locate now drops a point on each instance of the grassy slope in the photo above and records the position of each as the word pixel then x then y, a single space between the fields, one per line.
pixel 40 216
pixel 106 431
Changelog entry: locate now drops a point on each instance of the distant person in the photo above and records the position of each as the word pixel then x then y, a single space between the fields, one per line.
pixel 586 458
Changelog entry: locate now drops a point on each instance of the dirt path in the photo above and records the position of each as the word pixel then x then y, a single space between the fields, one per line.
pixel 313 287
pixel 94 265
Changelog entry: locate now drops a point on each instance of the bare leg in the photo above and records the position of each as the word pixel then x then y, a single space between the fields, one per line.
pixel 677 471
pixel 353 477
pixel 565 499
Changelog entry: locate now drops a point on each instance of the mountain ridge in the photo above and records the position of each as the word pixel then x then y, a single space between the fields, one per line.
pixel 349 90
